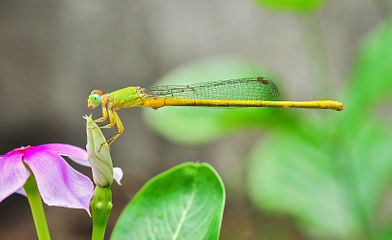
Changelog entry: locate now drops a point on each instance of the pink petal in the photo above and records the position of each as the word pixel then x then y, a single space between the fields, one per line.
pixel 13 175
pixel 21 191
pixel 15 151
pixel 58 183
pixel 76 154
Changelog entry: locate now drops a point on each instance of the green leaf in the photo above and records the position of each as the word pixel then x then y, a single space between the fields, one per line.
pixel 331 186
pixel 371 80
pixel 292 5
pixel 196 125
pixel 385 234
pixel 185 202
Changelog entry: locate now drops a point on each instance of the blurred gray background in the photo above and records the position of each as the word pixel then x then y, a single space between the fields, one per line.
pixel 53 53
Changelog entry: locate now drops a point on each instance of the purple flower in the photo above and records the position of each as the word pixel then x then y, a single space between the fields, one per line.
pixel 58 183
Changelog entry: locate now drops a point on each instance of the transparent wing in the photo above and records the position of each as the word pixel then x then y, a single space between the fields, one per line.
pixel 251 89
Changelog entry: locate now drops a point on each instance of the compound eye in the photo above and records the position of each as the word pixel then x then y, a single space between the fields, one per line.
pixel 94 99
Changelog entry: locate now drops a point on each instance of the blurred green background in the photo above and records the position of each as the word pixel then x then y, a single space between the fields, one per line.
pixel 289 174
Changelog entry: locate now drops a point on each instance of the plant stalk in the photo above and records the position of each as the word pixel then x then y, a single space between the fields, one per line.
pixel 37 209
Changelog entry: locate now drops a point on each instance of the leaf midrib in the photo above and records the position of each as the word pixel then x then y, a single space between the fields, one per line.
pixel 186 211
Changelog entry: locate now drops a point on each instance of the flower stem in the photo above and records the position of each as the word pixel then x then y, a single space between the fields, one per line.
pixel 37 209
pixel 101 205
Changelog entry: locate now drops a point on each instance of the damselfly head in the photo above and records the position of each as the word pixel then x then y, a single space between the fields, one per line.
pixel 94 99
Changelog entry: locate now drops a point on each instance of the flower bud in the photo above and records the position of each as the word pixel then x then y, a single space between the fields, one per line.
pixel 98 154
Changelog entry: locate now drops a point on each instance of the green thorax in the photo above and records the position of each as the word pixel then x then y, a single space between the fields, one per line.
pixel 126 98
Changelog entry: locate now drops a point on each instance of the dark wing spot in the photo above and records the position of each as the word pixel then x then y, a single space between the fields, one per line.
pixel 262 80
